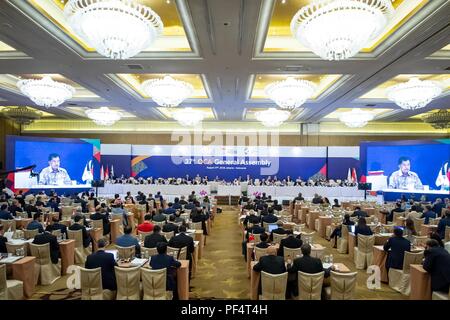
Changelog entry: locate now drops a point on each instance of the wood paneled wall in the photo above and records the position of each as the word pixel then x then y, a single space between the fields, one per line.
pixel 7 127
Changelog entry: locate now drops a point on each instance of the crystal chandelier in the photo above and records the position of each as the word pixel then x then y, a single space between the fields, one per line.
pixel 414 94
pixel 356 118
pixel 272 117
pixel 438 120
pixel 117 29
pixel 167 92
pixel 290 93
pixel 103 116
pixel 45 92
pixel 188 117
pixel 21 115
pixel 339 29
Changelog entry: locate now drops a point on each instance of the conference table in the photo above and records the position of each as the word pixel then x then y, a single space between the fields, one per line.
pixel 165 189
pixel 380 239
pixel 307 191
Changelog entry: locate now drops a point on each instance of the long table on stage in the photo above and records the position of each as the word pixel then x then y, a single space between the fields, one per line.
pixel 431 195
pixel 165 189
pixel 308 191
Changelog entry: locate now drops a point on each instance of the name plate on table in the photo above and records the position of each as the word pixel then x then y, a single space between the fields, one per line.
pixel 10 259
pixel 136 262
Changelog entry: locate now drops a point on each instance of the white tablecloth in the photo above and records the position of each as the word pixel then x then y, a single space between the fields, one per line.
pixel 225 190
pixel 308 192
pixel 111 189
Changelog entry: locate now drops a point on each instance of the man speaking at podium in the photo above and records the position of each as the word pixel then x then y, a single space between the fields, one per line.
pixel 53 174
pixel 404 178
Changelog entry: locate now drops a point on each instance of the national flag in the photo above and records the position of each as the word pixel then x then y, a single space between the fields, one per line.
pixel 349 175
pixel 443 178
pixel 106 173
pixel 112 171
pixel 354 176
pixel 87 173
pixel 102 173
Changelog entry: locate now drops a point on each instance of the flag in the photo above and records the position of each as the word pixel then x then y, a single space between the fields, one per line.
pixel 349 175
pixel 354 176
pixel 443 178
pixel 106 173
pixel 112 172
pixel 102 174
pixel 87 173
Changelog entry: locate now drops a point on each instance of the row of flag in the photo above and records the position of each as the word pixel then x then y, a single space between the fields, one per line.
pixel 351 175
pixel 443 178
pixel 88 173
pixel 105 174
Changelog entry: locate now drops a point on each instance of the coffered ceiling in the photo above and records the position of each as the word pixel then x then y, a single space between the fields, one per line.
pixel 229 51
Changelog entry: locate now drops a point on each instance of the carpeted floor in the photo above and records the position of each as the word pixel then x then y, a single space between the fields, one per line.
pixel 222 273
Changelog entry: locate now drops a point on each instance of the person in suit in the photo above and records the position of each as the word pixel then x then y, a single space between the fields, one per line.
pixel 170 225
pixel 183 201
pixel 397 246
pixel 271 263
pixel 270 217
pixel 190 205
pixel 306 264
pixel 359 213
pixel 15 207
pixel 362 228
pixel 256 229
pixel 182 240
pixel 153 239
pixel 198 216
pixel 176 205
pixel 106 262
pixel 276 206
pixel 438 206
pixel 160 217
pixel 192 196
pixel 128 240
pixel 278 230
pixel 290 242
pixel 78 225
pixel 147 225
pixel 170 210
pixel 55 225
pixel 263 244
pixel 317 199
pixel 437 264
pixel 445 222
pixel 3 241
pixel 47 237
pixel 36 223
pixel 163 260
pixel 398 208
pixel 4 213
pixel 299 197
pixel 428 214
pixel 337 232
pixel 252 218
pixel 101 215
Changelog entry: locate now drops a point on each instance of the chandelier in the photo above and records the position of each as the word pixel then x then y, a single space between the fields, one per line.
pixel 414 94
pixel 188 117
pixel 167 92
pixel 438 120
pixel 356 118
pixel 272 117
pixel 21 115
pixel 103 116
pixel 290 93
pixel 339 29
pixel 117 29
pixel 45 92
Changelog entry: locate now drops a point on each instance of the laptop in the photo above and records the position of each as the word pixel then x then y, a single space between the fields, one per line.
pixel 272 227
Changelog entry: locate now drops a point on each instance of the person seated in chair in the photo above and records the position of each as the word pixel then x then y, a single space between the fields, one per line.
pixel 3 241
pixel 160 217
pixel 106 262
pixel 359 213
pixel 47 237
pixel 101 215
pixel 36 223
pixel 317 199
pixel 335 204
pixel 182 240
pixel 337 232
pixel 271 263
pixel 443 223
pixel 153 239
pixel 4 213
pixel 398 208
pixel 170 210
pixel 290 242
pixel 190 205
pixel 270 217
pixel 183 201
pixel 362 228
pixel 437 264
pixel 128 240
pixel 170 225
pixel 263 244
pixel 299 198
pixel 163 260
pixel 147 225
pixel 279 230
pixel 397 246
pixel 78 225
pixel 428 214
pixel 176 205
pixel 276 206
pixel 55 225
pixel 251 218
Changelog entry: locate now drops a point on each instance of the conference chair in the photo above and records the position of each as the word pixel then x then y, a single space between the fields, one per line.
pixel 310 285
pixel 273 286
pixel 257 237
pixel 185 216
pixel 447 233
pixel 81 252
pixel 30 234
pixel 159 223
pixel 434 221
pixel 292 253
pixel 148 252
pixel 46 271
pixel 419 240
pixel 126 253
pixel 154 284
pixel 195 226
pixel 143 234
pixel 128 283
pixel 57 233
pixel 418 224
pixel 388 228
pixel 9 289
pixel 260 252
pixel 8 225
pixel 13 248
pixel 342 285
pixel 266 226
pixel 66 212
pixel 91 285
pixel 278 237
pixel 364 251
pixel 177 253
pixel 22 215
pixel 399 279
pixel 440 295
pixel 168 235
pixel 298 227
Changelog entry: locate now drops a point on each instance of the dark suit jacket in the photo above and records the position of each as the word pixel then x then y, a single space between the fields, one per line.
pixel 57 226
pixel 86 236
pixel 182 240
pixel 169 227
pixel 429 215
pixel 159 218
pixel 262 245
pixel 13 210
pixel 255 230
pixel 161 261
pixel 152 240
pixel 252 219
pixel 290 242
pixel 441 227
pixel 277 231
pixel 364 231
pixel 35 225
pixel 46 237
pixel 390 216
pixel 104 217
pixel 437 263
pixel 270 218
pixel 5 215
pixel 438 208
pixel 398 246
pixel 307 264
pixel 278 207
pixel 359 214
pixel 3 242
pixel 104 260
pixel 270 264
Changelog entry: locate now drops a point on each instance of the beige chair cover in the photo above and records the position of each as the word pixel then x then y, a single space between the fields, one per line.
pixel 179 254
pixel 278 237
pixel 45 271
pixel 364 251
pixel 420 240
pixel 91 285
pixel 399 280
pixel 159 223
pixel 149 251
pixel 66 212
pixel 447 233
pixel 343 285
pixel 8 225
pixel 418 224
pixel 81 252
pixel 168 235
pixel 291 253
pixel 30 234
pixel 260 252
pixel 310 285
pixel 57 233
pixel 154 284
pixel 257 237
pixel 342 241
pixel 195 225
pixel 142 234
pixel 11 248
pixel 128 283
pixel 273 286
pixel 126 252
pixel 9 289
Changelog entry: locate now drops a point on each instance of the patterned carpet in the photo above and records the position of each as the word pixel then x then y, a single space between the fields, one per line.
pixel 222 274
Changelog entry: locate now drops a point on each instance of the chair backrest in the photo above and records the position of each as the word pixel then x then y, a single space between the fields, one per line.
pixel 177 253
pixel 260 252
pixel 447 233
pixel 125 253
pixel 434 221
pixel 344 232
pixel 388 228
pixel 41 252
pixel 299 227
pixel 159 223
pixel 257 237
pixel 266 225
pixel 148 252
pixel 196 225
pixel 8 225
pixel 154 284
pixel 411 258
pixel 184 216
pixel 343 285
pixel 57 233
pixel 66 211
pixel 3 283
pixel 310 285
pixel 128 280
pixel 366 243
pixel 23 215
pixel 30 234
pixel 11 248
pixel 143 234
pixel 291 253
pixel 168 235
pixel 91 284
pixel 278 237
pixel 273 286
pixel 418 224
pixel 419 240
pixel 76 235
pixel 97 224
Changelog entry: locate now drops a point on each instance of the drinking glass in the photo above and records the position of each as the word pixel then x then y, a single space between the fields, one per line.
pixel 331 258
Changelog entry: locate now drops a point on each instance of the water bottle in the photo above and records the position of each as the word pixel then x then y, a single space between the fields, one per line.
pixel 331 258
